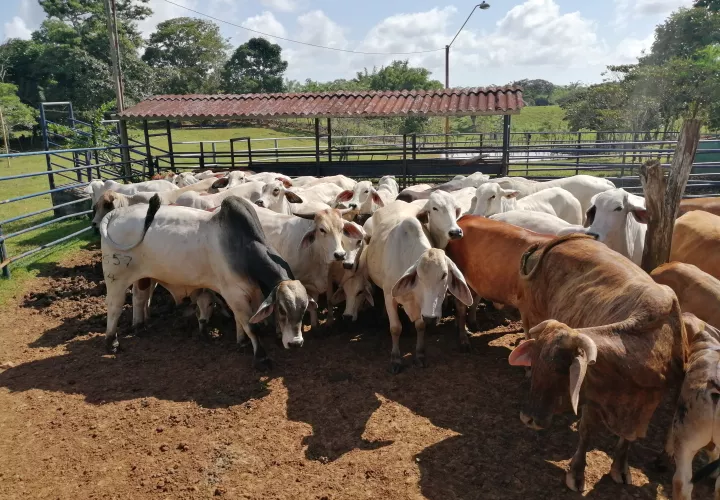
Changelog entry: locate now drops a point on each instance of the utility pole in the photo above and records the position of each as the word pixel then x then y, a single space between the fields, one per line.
pixel 482 6
pixel 111 13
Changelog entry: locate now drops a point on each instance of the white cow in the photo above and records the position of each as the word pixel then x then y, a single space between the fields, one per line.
pixel 583 187
pixel 250 191
pixel 97 187
pixel 539 222
pixel 620 221
pixel 354 288
pixel 401 261
pixel 464 197
pixel 184 179
pixel 491 199
pixel 339 272
pixel 236 178
pixel 363 197
pixel 276 197
pixel 182 247
pixel 309 246
pixel 207 174
pixel 269 177
pixel 388 189
pixel 339 180
pixel 320 193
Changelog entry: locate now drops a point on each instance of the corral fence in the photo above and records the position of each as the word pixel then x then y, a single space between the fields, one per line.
pixel 53 187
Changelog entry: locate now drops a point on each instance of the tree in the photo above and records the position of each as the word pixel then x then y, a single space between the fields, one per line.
pixel 598 107
pixel 190 53
pixel 255 67
pixel 712 5
pixel 13 114
pixel 399 75
pixel 536 91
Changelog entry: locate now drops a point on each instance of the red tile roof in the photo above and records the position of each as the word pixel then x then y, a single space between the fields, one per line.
pixel 341 104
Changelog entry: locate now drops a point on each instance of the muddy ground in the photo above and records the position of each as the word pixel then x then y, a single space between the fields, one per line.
pixel 176 417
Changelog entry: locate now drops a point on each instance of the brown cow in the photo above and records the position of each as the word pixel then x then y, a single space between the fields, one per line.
pixel 711 205
pixel 697 291
pixel 488 255
pixel 613 328
pixel 696 240
pixel 696 416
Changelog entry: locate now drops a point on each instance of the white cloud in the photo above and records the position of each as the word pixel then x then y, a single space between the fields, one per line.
pixel 281 5
pixel 627 10
pixel 629 49
pixel 162 11
pixel 16 29
pixel 317 28
pixel 265 23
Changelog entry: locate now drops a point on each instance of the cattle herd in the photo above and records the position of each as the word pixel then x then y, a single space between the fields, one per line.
pixel 602 336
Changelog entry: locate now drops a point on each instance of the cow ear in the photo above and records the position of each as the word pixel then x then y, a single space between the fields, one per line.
pixel 308 239
pixel 292 197
pixel 338 296
pixel 220 183
pixel 286 182
pixel 376 198
pixel 578 368
pixel 521 355
pixel 353 231
pixel 590 216
pixel 406 283
pixel 369 295
pixel 458 213
pixel 536 330
pixel 510 194
pixel 472 205
pixel 641 215
pixel 266 308
pixel 344 196
pixel 457 285
pixel 423 216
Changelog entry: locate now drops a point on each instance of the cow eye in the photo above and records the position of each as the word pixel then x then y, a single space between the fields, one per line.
pixel 322 230
pixel 359 293
pixel 366 192
pixel 444 276
pixel 276 191
pixel 492 197
pixel 618 209
pixel 435 208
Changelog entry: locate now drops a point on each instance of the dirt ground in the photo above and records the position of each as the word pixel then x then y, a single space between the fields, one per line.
pixel 176 417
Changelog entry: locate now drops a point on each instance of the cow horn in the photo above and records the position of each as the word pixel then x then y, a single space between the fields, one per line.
pixel 588 345
pixel 310 216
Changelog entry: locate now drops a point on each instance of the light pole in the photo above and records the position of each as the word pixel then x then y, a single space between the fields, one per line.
pixel 482 6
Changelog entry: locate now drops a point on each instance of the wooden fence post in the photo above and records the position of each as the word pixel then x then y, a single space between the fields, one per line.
pixel 662 196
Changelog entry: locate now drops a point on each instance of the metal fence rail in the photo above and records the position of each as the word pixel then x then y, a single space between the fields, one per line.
pixel 68 172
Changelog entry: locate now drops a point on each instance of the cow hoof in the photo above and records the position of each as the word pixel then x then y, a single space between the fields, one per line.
pixel 140 330
pixel 395 368
pixel 112 346
pixel 575 483
pixel 464 347
pixel 421 361
pixel 621 477
pixel 262 365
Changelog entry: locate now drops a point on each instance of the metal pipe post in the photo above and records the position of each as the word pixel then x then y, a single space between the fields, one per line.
pixel 125 151
pixel 148 150
pixel 317 147
pixel 329 139
pixel 506 146
pixel 46 145
pixel 4 257
pixel 447 86
pixel 170 146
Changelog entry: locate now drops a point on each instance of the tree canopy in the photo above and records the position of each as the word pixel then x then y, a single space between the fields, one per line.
pixel 256 66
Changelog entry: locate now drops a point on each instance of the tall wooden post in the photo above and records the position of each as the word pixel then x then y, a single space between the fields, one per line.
pixel 662 196
pixel 125 151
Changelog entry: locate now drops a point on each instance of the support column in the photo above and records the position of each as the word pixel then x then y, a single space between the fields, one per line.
pixel 317 147
pixel 506 146
pixel 125 151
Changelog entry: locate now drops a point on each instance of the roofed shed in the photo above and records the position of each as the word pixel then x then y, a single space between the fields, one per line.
pixel 341 104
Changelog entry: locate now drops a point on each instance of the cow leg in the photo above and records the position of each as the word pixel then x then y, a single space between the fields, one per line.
pixel 575 477
pixel 620 470
pixel 313 311
pixel 472 312
pixel 420 343
pixel 114 301
pixel 330 289
pixel 682 484
pixel 141 293
pixel 460 317
pixel 395 331
pixel 243 313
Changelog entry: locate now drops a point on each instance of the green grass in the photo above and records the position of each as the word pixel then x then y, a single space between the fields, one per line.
pixel 539 119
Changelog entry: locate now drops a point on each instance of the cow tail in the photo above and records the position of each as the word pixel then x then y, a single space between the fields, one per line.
pixel 153 207
pixel 544 249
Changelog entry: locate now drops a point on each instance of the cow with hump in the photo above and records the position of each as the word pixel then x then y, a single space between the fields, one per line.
pixel 225 251
pixel 401 260
pixel 696 240
pixel 603 336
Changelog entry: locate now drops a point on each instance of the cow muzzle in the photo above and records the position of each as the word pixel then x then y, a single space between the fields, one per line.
pixel 455 234
pixel 260 203
pixel 339 255
pixel 348 265
pixel 295 343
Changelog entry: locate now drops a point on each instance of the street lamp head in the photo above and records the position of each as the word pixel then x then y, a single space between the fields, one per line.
pixel 484 6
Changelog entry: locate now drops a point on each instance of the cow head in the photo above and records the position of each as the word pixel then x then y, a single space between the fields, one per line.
pixel 559 357
pixel 326 234
pixel 275 196
pixel 108 201
pixel 204 302
pixel 353 246
pixel 360 198
pixel 288 301
pixel 184 179
pixel 491 199
pixel 235 178
pixel 612 216
pixel 429 279
pixel 441 213
pixel 355 290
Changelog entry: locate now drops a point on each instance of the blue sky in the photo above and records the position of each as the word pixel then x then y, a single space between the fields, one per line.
pixel 558 40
